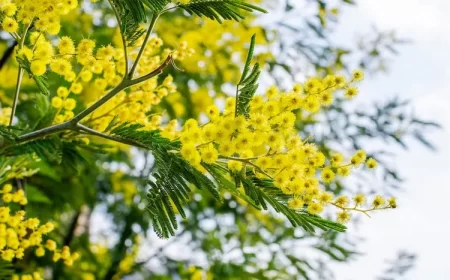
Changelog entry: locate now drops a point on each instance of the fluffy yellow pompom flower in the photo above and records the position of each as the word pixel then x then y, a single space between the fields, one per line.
pixel 210 154
pixel 351 92
pixel 38 67
pixel 315 208
pixel 10 25
pixel 61 66
pixel 235 165
pixel 70 104
pixel 76 88
pixel 7 188
pixel 66 46
pixel 296 203
pixel 358 75
pixel 212 112
pixel 7 197
pixel 62 92
pixel 343 217
pixel 342 201
pixel 8 255
pixel 378 201
pixel 40 252
pixel 57 102
pixel 51 245
pixel 392 202
pixel 327 175
pixel 371 163
pixel 9 9
pixel 359 199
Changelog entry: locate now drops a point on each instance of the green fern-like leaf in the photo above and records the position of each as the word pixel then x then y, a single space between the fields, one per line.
pixel 219 9
pixel 49 149
pixel 131 13
pixel 156 5
pixel 218 173
pixel 7 133
pixel 172 185
pixel 248 83
pixel 6 270
pixel 269 194
pixel 172 178
pixel 143 138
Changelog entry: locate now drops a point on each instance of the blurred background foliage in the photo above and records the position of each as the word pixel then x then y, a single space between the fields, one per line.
pixel 98 199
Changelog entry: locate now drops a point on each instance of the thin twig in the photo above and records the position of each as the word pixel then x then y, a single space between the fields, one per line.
pixel 19 77
pixel 7 54
pixel 144 44
pixel 122 35
pixel 110 137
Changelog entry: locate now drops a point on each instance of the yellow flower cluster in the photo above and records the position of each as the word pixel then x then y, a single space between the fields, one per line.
pixel 90 71
pixel 359 201
pixel 5 114
pixel 267 143
pixel 98 74
pixel 17 234
pixel 212 48
pixel 34 276
pixel 136 105
pixel 127 263
pixel 45 14
pixel 101 71
pixel 124 186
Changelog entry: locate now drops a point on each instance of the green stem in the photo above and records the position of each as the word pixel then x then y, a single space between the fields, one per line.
pixel 109 137
pixel 154 73
pixel 248 162
pixel 123 85
pixel 124 42
pixel 43 132
pixel 144 44
pixel 19 77
pixel 236 102
pixel 16 95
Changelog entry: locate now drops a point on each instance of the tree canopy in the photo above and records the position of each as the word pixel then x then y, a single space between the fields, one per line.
pixel 210 123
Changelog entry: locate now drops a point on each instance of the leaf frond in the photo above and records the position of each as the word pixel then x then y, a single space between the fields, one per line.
pixel 220 10
pixel 173 178
pixel 248 83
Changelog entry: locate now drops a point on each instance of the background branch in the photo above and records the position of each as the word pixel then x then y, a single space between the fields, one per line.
pixel 7 54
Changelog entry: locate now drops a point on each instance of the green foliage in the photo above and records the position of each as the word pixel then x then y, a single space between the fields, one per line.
pixel 267 193
pixel 262 192
pixel 7 134
pixel 155 5
pixel 218 173
pixel 219 9
pixel 54 150
pixel 6 270
pixel 142 138
pixel 247 85
pixel 171 184
pixel 41 81
pixel 49 148
pixel 172 177
pixel 131 14
pixel 56 193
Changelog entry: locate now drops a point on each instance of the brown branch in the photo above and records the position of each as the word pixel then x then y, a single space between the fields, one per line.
pixel 7 54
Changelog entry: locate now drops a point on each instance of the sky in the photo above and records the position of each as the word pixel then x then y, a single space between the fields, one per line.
pixel 421 73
